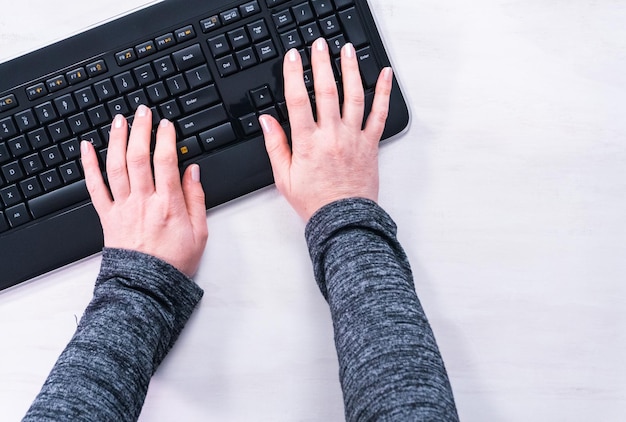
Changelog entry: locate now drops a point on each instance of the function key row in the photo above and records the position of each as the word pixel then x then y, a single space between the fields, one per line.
pixel 150 47
pixel 61 81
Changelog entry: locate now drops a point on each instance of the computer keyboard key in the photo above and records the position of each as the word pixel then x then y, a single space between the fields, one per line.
pixel 165 41
pixel 261 97
pixel 26 120
pixel 52 156
pixel 184 34
pixel 353 27
pixel 238 38
pixel 249 8
pixel 198 77
pixel 75 76
pixel 38 138
pixel 65 105
pixel 322 7
pixel 266 50
pixel 12 172
pixel 124 82
pixel 7 128
pixel 98 115
pixel 31 188
pixel 85 97
pixel 70 172
pixel 18 146
pixel 125 57
pixel 230 16
pixel 59 131
pixel 246 58
pixel 303 13
pixel 226 65
pixel 367 65
pixel 145 49
pixel 96 68
pixel 258 30
pixel 188 58
pixel 32 164
pixel 144 74
pixel 217 137
pixel 104 90
pixel 17 215
pixel 57 83
pixel 188 148
pixel 59 199
pixel 11 195
pixel 330 26
pixel 50 180
pixel 282 18
pixel 340 4
pixel 36 91
pixel 310 32
pixel 250 124
pixel 218 45
pixel 202 120
pixel 164 67
pixel 199 99
pixel 210 24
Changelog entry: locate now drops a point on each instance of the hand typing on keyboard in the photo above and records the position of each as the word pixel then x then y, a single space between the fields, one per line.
pixel 332 158
pixel 150 212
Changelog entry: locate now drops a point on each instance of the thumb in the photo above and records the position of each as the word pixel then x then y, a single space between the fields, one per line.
pixel 277 148
pixel 195 202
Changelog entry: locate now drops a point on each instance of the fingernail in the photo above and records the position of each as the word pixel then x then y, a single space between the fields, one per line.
pixel 320 44
pixel 118 121
pixel 195 172
pixel 349 50
pixel 164 123
pixel 265 124
pixel 388 73
pixel 292 55
pixel 142 110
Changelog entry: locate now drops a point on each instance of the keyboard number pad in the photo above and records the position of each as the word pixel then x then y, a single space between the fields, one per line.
pixel 300 25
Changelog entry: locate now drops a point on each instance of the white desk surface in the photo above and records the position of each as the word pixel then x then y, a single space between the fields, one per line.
pixel 510 194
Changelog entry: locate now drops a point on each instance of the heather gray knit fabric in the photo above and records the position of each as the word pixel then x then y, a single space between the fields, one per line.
pixel 390 367
pixel 140 305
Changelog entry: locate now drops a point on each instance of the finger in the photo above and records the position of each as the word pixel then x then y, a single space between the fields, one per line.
pixel 195 202
pixel 98 191
pixel 377 118
pixel 296 95
pixel 138 153
pixel 326 97
pixel 166 173
pixel 117 172
pixel 278 150
pixel 353 95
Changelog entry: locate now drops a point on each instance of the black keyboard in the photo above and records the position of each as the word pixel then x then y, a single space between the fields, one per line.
pixel 211 67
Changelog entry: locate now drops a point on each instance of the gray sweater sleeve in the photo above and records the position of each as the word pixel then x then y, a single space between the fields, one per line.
pixel 390 367
pixel 139 307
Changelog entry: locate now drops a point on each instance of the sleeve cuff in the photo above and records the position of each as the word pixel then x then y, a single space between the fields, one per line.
pixel 339 216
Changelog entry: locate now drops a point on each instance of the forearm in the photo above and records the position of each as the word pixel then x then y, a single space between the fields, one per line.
pixel 139 307
pixel 390 365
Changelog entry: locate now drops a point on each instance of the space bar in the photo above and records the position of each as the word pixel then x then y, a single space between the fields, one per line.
pixel 58 199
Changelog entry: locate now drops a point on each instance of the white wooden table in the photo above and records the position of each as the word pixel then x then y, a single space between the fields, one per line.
pixel 510 194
